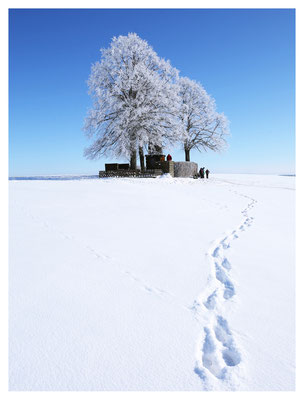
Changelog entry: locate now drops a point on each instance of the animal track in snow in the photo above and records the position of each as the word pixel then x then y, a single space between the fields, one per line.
pixel 110 260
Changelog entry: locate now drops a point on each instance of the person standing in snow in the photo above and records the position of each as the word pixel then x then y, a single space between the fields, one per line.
pixel 207 173
pixel 202 172
pixel 169 158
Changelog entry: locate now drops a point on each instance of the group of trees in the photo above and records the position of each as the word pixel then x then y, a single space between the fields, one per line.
pixel 140 103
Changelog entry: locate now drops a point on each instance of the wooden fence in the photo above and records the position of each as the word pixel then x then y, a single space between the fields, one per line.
pixel 152 173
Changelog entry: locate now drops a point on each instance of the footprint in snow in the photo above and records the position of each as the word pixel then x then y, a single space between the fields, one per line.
pixel 226 264
pixel 210 303
pixel 223 334
pixel 223 278
pixel 216 252
pixel 219 352
pixel 210 358
pixel 224 244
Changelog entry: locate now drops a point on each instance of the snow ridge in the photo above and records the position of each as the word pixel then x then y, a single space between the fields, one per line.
pixel 218 356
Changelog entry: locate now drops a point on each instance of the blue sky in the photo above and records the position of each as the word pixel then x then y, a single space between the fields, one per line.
pixel 244 58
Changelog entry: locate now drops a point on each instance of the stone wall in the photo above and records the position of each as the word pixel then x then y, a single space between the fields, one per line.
pixel 185 169
pixel 167 167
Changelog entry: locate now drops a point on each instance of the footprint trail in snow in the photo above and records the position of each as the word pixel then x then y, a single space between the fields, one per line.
pixel 217 352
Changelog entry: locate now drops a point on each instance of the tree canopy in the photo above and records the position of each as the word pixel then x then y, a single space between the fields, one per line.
pixel 135 99
pixel 203 127
pixel 140 102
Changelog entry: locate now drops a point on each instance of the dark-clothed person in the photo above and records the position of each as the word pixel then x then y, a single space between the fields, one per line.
pixel 202 172
pixel 207 173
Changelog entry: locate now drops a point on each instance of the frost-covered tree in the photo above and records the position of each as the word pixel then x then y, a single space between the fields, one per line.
pixel 135 100
pixel 203 127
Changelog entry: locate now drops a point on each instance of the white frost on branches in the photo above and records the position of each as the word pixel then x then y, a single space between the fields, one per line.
pixel 203 127
pixel 135 97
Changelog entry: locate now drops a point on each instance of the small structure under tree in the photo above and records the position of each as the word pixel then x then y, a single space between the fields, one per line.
pixel 156 166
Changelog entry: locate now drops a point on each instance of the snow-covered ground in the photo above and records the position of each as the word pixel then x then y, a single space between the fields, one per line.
pixel 152 284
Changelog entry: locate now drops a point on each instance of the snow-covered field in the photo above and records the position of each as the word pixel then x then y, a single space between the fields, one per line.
pixel 152 284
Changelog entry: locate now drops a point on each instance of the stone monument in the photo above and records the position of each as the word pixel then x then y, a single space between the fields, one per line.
pixel 185 169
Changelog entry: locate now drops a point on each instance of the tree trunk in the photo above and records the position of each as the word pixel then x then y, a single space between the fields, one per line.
pixel 141 158
pixel 187 154
pixel 133 159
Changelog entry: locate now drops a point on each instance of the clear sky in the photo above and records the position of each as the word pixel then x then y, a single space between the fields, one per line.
pixel 244 58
